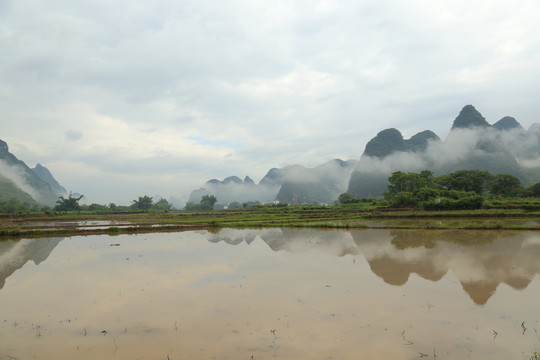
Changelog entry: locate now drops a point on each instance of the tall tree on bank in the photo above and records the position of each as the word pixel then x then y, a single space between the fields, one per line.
pixel 207 202
pixel 68 204
pixel 143 203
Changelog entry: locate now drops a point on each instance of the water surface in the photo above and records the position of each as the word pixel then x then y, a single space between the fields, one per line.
pixel 276 293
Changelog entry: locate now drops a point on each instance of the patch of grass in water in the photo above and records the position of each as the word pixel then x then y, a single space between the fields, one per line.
pixel 113 230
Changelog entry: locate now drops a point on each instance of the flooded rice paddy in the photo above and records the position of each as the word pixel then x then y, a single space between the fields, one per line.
pixel 272 294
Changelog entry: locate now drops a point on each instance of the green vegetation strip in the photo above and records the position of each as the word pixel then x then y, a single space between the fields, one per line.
pixel 330 217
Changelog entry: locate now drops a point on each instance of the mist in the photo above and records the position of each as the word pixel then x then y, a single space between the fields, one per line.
pixel 514 152
pixel 231 191
pixel 291 184
pixel 511 151
pixel 17 175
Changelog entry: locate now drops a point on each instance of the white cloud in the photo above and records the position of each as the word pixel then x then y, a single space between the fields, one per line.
pixel 210 89
pixel 16 174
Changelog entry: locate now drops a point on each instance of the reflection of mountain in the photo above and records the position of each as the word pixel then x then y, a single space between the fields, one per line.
pixel 337 243
pixel 233 236
pixel 481 260
pixel 14 254
pixel 398 275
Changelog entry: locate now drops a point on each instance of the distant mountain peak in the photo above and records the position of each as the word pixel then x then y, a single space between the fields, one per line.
pixel 24 179
pixel 469 117
pixel 45 175
pixel 385 143
pixel 420 141
pixel 390 141
pixel 3 146
pixel 507 123
pixel 274 177
pixel 232 179
pixel 534 128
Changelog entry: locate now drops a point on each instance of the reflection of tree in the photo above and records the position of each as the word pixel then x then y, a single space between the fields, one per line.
pixel 14 254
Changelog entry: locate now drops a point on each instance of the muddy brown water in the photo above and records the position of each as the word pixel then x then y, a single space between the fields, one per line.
pixel 272 294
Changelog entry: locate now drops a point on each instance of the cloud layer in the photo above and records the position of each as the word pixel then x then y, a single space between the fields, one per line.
pixel 130 98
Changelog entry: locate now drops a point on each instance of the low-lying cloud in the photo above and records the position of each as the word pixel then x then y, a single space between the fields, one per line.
pixel 515 151
pixel 17 175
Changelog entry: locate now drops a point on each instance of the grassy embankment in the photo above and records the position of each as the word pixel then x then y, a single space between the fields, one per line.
pixel 351 216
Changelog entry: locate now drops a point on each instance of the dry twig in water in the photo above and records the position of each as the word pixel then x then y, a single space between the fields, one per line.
pixel 409 342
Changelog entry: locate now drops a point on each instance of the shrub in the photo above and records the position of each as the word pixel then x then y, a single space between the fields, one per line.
pixel 404 199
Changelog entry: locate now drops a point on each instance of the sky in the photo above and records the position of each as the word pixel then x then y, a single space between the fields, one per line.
pixel 120 99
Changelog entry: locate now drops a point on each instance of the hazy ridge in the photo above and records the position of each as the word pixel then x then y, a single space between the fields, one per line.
pixel 472 143
pixel 19 183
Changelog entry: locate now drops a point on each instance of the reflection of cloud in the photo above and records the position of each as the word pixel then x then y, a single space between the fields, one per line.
pixel 480 260
pixel 337 243
pixel 233 237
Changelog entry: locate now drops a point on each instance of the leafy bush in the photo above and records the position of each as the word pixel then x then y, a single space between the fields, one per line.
pixel 405 199
pixel 463 203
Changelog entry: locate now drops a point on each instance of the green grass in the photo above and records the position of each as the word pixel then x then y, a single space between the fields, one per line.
pixel 350 216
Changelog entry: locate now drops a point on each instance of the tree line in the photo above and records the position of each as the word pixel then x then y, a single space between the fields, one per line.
pixel 463 189
pixel 143 203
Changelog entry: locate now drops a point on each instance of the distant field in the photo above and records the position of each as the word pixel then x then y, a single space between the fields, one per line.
pixel 330 217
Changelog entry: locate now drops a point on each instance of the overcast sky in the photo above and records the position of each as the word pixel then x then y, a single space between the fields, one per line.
pixel 120 99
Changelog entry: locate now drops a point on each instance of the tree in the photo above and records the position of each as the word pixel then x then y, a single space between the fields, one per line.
pixel 207 202
pixel 97 207
pixel 143 203
pixel 504 184
pixel 456 191
pixel 533 190
pixel 68 204
pixel 409 182
pixel 466 180
pixel 163 204
pixel 345 198
pixel 192 206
